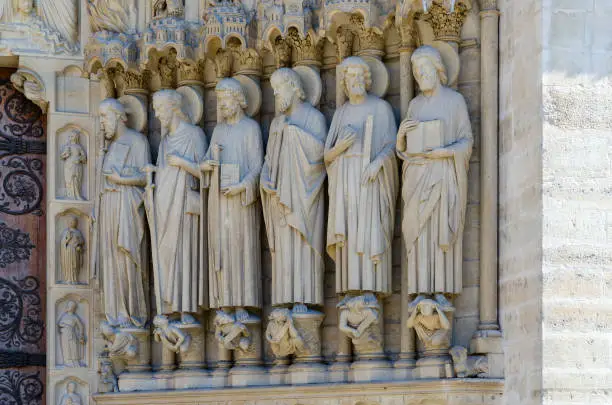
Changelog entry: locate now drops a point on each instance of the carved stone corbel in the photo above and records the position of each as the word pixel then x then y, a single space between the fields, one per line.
pixel 445 23
pixel 308 49
pixel 223 63
pixel 370 40
pixel 32 87
pixel 249 62
pixel 281 49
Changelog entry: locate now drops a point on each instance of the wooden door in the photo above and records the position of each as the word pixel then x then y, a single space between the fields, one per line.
pixel 22 247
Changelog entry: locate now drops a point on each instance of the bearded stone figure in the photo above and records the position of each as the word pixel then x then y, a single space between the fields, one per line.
pixel 292 182
pixel 435 143
pixel 123 249
pixel 232 167
pixel 182 276
pixel 363 183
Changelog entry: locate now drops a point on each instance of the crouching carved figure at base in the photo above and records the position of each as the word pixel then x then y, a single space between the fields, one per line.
pixel 284 338
pixel 431 320
pixel 181 341
pixel 239 340
pixel 468 366
pixel 131 345
pixel 360 320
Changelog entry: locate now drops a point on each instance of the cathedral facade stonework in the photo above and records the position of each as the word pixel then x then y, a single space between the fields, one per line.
pixel 319 202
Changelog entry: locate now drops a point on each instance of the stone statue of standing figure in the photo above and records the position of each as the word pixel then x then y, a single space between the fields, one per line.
pixel 72 247
pixel 72 336
pixel 232 167
pixel 74 158
pixel 363 183
pixel 123 249
pixel 182 276
pixel 435 180
pixel 292 182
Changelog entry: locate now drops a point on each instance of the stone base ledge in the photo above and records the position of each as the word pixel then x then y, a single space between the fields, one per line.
pixel 473 391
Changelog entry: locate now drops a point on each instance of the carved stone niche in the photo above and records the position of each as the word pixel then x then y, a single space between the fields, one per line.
pixel 71 391
pixel 71 332
pixel 71 247
pixel 72 168
pixel 72 91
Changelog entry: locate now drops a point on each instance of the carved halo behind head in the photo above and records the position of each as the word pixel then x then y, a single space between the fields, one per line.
pixel 135 112
pixel 376 73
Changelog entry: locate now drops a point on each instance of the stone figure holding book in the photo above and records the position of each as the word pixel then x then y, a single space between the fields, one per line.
pixel 232 167
pixel 363 184
pixel 435 143
pixel 122 254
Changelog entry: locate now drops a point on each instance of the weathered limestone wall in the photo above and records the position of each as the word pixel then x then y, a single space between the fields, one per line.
pixel 577 179
pixel 520 193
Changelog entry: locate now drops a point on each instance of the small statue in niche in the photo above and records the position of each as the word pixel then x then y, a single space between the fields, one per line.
pixel 468 366
pixel 72 246
pixel 432 326
pixel 232 334
pixel 71 397
pixel 360 320
pixel 282 334
pixel 119 345
pixel 73 155
pixel 72 336
pixel 108 379
pixel 171 337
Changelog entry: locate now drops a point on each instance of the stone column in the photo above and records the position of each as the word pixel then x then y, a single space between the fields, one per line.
pixel 487 338
pixel 406 79
pixel 407 355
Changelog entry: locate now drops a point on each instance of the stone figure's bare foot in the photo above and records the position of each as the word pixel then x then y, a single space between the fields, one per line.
pixel 299 308
pixel 441 299
pixel 242 315
pixel 187 319
pixel 125 323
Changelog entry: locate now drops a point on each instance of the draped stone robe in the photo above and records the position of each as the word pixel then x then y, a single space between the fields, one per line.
pixel 123 250
pixel 234 221
pixel 361 217
pixel 178 208
pixel 71 254
pixel 435 196
pixel 61 15
pixel 295 212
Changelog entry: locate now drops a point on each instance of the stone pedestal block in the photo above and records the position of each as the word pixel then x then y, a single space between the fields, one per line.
pixel 195 356
pixel 142 361
pixel 308 325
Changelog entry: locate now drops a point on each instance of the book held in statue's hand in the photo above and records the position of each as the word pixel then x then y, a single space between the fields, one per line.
pixel 230 175
pixel 425 137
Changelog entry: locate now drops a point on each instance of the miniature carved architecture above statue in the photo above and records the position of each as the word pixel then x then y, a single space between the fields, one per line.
pixel 227 206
